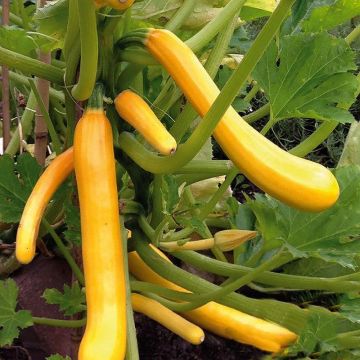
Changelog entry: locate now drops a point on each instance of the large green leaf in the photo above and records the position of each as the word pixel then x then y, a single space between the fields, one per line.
pixel 10 319
pixel 16 39
pixel 16 183
pixel 309 77
pixel 320 15
pixel 332 235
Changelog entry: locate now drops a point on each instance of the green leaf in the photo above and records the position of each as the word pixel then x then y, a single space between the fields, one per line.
pixel 332 235
pixel 58 357
pixel 71 301
pixel 16 188
pixel 10 319
pixel 325 15
pixel 196 224
pixel 52 20
pixel 350 307
pixel 351 151
pixel 16 39
pixel 170 194
pixel 72 219
pixel 312 77
pixel 318 329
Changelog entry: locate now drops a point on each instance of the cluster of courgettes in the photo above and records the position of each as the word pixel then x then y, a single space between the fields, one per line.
pixel 297 182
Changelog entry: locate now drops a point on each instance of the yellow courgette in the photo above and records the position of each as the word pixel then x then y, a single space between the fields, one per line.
pixel 298 182
pixel 134 110
pixel 174 322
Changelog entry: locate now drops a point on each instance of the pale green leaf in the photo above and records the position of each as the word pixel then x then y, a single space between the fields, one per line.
pixel 326 15
pixel 17 39
pixel 308 78
pixel 52 20
pixel 10 319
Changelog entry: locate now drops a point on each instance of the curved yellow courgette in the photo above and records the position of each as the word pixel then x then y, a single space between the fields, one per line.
pixel 58 170
pixel 134 110
pixel 174 322
pixel 219 319
pixel 298 182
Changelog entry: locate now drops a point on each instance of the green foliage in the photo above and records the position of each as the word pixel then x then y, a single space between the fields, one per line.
pixel 72 218
pixel 17 39
pixel 16 183
pixel 350 307
pixel 330 235
pixel 71 301
pixel 52 22
pixel 312 77
pixel 10 319
pixel 58 357
pixel 320 15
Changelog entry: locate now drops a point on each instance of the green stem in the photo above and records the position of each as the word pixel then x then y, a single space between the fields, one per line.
pixel 315 139
pixel 257 114
pixel 26 125
pixel 30 66
pixel 65 252
pixel 206 166
pixel 285 314
pixel 128 75
pixel 210 205
pixel 181 15
pixel 353 35
pixel 59 323
pixel 89 50
pixel 145 287
pixel 96 100
pixel 132 352
pixel 21 80
pixel 187 116
pixel 215 250
pixel 231 286
pixel 53 134
pixel 146 227
pixel 252 93
pixel 157 201
pixel 209 31
pixel 287 281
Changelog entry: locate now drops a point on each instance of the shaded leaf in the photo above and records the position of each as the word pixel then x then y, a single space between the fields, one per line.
pixel 350 307
pixel 72 219
pixel 16 188
pixel 71 301
pixel 10 319
pixel 308 78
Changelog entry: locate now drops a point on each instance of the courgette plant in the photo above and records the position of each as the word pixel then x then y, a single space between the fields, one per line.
pixel 135 92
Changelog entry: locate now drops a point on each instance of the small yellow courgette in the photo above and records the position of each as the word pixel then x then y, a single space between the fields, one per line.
pixel 134 110
pixel 174 322
pixel 298 182
pixel 219 319
pixel 58 170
